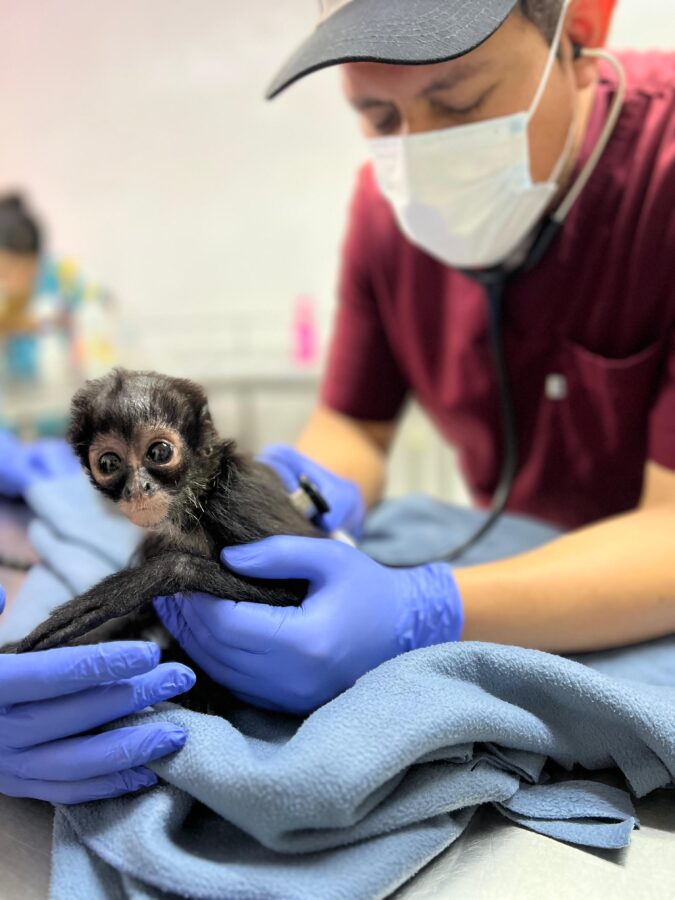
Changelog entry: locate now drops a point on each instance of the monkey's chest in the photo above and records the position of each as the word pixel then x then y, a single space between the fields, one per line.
pixel 197 542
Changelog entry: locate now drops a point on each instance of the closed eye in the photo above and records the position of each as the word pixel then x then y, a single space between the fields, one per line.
pixel 447 109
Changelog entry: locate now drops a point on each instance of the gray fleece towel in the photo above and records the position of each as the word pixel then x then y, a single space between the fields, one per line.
pixel 354 800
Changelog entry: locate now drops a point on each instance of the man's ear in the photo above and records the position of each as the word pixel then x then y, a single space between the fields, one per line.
pixel 588 23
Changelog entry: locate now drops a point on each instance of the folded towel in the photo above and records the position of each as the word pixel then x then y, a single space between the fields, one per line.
pixel 350 802
pixel 79 538
pixel 81 517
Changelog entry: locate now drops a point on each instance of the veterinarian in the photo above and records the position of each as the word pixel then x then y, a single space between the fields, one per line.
pixel 503 151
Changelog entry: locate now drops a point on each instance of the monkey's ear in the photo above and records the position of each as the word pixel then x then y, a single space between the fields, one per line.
pixel 208 432
pixel 81 427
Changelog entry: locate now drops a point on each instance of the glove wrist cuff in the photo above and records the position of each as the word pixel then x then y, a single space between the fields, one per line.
pixel 432 611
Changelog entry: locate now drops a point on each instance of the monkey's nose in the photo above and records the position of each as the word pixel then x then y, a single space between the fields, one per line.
pixel 126 493
pixel 148 487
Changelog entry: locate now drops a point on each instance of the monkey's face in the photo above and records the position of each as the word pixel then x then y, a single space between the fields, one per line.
pixel 142 474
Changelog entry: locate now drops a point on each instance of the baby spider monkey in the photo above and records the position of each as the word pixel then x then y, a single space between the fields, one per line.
pixel 148 443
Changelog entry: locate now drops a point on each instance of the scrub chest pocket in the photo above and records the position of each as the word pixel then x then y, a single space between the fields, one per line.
pixel 597 422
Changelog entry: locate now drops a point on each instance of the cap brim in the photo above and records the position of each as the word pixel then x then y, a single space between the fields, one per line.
pixel 400 32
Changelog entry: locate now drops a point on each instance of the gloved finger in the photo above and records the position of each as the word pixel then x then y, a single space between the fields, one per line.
pixel 90 756
pixel 65 670
pixel 28 724
pixel 80 567
pixel 2 599
pixel 276 458
pixel 104 787
pixel 51 456
pixel 234 668
pixel 308 558
pixel 292 460
pixel 223 623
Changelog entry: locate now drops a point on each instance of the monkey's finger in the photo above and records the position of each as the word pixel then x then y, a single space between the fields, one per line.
pixel 90 756
pixel 55 633
pixel 42 676
pixel 104 787
pixel 28 724
pixel 286 557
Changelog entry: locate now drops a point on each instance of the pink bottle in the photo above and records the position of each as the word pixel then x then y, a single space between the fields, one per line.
pixel 305 334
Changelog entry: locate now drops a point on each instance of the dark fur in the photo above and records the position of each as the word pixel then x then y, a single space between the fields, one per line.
pixel 220 498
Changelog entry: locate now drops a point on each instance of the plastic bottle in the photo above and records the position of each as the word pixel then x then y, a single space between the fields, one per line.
pixel 305 345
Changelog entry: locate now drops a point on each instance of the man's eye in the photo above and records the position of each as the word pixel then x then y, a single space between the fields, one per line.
pixel 160 453
pixel 386 126
pixel 449 110
pixel 109 463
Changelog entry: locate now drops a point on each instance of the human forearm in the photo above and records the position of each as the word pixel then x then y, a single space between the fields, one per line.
pixel 603 586
pixel 356 451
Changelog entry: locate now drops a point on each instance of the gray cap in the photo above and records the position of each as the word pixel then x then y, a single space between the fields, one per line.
pixel 403 32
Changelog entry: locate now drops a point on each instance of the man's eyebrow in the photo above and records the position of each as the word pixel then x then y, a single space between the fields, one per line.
pixel 446 83
pixel 452 79
pixel 364 103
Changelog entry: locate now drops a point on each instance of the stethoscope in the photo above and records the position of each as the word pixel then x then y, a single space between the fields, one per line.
pixel 495 281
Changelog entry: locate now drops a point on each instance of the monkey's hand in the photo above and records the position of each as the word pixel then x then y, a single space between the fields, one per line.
pixel 127 591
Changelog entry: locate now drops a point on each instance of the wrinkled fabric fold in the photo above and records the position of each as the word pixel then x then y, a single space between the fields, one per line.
pixel 355 799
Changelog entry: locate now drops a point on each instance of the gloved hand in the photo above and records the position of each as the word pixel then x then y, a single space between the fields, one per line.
pixel 356 615
pixel 347 509
pixel 49 699
pixel 21 465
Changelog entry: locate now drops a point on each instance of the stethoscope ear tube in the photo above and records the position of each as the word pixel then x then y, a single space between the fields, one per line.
pixel 495 282
pixel 495 291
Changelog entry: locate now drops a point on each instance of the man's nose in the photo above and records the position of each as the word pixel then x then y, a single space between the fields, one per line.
pixel 419 123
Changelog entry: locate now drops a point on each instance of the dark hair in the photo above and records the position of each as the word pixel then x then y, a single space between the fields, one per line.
pixel 19 232
pixel 544 14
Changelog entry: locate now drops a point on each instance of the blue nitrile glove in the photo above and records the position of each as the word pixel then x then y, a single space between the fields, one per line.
pixel 356 615
pixel 21 465
pixel 50 699
pixel 347 509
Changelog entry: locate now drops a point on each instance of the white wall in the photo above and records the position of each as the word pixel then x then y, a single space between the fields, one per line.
pixel 139 129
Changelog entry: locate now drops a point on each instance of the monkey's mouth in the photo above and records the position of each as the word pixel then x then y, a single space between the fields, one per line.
pixel 146 513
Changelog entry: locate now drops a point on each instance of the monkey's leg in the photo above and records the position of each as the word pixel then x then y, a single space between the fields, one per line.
pixel 126 591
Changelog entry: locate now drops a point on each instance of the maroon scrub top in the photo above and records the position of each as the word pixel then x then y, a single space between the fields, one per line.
pixel 589 333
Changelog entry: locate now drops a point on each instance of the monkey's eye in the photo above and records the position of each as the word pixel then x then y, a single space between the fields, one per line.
pixel 109 463
pixel 160 453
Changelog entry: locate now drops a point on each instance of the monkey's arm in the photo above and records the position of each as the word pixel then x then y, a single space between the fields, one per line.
pixel 130 590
